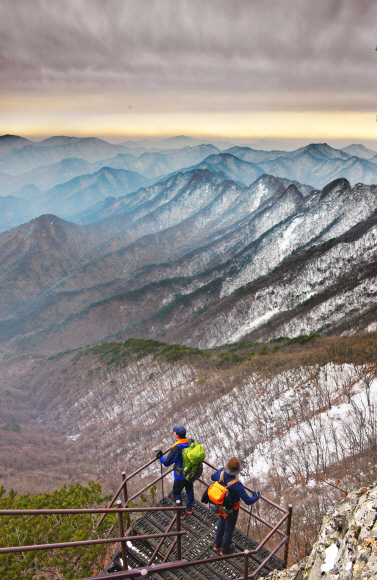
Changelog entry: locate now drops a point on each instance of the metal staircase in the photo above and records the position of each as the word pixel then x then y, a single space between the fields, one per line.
pixel 160 545
pixel 197 544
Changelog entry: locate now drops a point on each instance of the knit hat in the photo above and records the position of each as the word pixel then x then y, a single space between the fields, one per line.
pixel 233 465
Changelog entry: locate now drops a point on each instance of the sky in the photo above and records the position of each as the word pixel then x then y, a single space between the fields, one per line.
pixel 234 69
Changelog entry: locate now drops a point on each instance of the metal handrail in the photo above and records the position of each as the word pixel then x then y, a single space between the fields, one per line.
pixel 87 511
pixel 167 566
pixel 173 545
pixel 126 479
pixel 150 485
pixel 129 477
pixel 273 528
pixel 145 466
pixel 161 542
pixel 86 542
pixel 262 543
pixel 271 554
pixel 164 566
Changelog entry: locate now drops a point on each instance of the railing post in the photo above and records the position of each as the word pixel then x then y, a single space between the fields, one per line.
pixel 144 573
pixel 245 564
pixel 289 522
pixel 121 535
pixel 178 527
pixel 125 497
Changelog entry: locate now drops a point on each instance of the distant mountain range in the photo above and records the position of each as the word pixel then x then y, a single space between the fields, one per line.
pixel 198 260
pixel 176 143
pixel 47 169
pixel 316 164
pixel 191 245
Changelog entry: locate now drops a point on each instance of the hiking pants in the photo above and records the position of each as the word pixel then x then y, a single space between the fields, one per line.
pixel 178 486
pixel 225 529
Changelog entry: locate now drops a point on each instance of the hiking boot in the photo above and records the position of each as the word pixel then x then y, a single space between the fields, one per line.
pixel 230 550
pixel 216 548
pixel 183 514
pixel 189 512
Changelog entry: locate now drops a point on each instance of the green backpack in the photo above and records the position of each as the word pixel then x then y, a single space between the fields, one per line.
pixel 193 457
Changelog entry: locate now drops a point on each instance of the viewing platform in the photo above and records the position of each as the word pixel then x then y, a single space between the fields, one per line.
pixel 197 544
pixel 159 544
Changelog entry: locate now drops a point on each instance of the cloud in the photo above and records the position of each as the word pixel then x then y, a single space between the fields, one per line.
pixel 214 46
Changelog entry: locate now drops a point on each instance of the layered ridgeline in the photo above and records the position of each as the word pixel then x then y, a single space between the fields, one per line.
pixel 300 414
pixel 195 258
pixel 31 174
pixel 185 241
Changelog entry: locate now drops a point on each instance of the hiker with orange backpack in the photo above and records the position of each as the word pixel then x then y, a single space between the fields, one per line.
pixel 187 456
pixel 224 497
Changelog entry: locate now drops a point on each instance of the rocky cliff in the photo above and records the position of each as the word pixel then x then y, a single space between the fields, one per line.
pixel 347 544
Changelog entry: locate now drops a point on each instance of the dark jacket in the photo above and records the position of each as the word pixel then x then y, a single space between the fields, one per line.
pixel 237 488
pixel 175 456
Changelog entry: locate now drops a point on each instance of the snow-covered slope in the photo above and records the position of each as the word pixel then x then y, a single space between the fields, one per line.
pixel 294 423
pixel 269 259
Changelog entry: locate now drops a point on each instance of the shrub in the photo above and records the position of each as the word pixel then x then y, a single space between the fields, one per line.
pixel 72 563
pixel 302 338
pixel 11 427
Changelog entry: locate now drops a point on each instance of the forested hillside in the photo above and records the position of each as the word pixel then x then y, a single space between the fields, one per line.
pixel 299 413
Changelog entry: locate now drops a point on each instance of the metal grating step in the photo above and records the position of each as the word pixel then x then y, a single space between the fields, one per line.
pixel 196 544
pixel 185 574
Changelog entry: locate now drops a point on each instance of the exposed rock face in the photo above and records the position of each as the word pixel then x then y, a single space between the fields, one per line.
pixel 347 545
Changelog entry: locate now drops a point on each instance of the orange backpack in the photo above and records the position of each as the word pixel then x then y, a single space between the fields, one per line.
pixel 218 492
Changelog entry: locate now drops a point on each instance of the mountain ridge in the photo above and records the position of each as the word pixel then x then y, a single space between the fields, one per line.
pixel 139 291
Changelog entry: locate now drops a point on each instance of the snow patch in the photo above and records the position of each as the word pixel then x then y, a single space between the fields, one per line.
pixel 287 234
pixel 331 554
pixel 247 326
pixel 74 437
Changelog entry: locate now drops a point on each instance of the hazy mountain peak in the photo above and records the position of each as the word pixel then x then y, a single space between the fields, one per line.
pixel 57 140
pixel 324 149
pixel 177 142
pixel 46 222
pixel 9 142
pixel 41 230
pixel 268 180
pixel 9 137
pixel 359 150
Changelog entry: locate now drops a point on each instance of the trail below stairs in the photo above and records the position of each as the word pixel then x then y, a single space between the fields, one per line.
pixel 197 544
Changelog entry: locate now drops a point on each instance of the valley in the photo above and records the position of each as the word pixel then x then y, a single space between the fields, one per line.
pixel 288 408
pixel 226 288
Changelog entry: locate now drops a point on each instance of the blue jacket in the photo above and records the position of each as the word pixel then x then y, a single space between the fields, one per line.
pixel 237 488
pixel 175 456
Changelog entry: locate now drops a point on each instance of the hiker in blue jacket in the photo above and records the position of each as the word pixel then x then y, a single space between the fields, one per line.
pixel 228 476
pixel 180 482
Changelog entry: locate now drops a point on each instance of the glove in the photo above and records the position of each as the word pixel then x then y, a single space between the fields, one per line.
pixel 159 454
pixel 257 493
